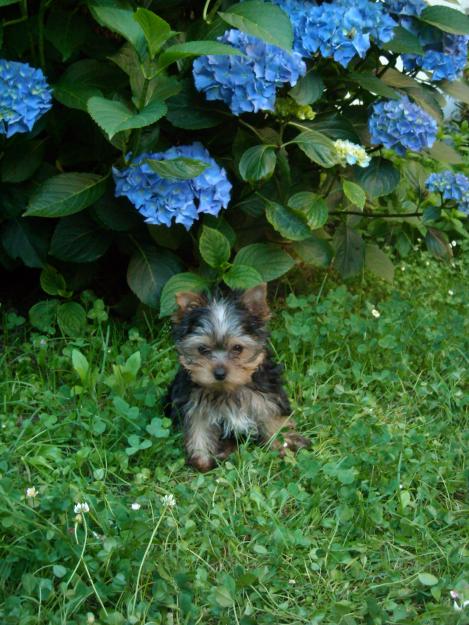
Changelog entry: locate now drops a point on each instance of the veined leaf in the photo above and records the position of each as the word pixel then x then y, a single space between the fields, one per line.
pixel 114 117
pixel 349 251
pixel 66 194
pixel 354 193
pixel 182 168
pixel 214 247
pixel 373 84
pixel 263 20
pixel 310 207
pixel 118 16
pixel 317 147
pixel 242 277
pixel 194 48
pixel 286 222
pixel 156 30
pixel 176 284
pixel 446 19
pixel 268 259
pixel 403 42
pixel 148 271
pixel 257 163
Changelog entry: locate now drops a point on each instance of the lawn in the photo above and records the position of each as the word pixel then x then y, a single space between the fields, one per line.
pixel 370 526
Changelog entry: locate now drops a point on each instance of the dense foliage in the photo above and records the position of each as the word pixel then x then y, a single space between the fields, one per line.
pixel 369 527
pixel 192 143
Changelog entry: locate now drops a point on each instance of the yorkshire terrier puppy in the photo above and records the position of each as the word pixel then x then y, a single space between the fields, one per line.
pixel 228 385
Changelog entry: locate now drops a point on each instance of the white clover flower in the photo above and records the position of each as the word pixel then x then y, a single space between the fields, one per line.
pixel 453 243
pixel 90 618
pixel 427 263
pixel 458 604
pixel 135 506
pixel 403 268
pixel 169 500
pixel 81 507
pixel 351 154
pixel 375 313
pixel 292 581
pixel 450 292
pixel 32 492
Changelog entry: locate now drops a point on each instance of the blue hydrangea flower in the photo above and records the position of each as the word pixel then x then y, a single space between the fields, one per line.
pixel 452 187
pixel 339 29
pixel 162 200
pixel 24 97
pixel 401 125
pixel 405 7
pixel 247 84
pixel 445 54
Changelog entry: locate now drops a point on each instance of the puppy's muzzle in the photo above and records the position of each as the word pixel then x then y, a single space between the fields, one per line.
pixel 219 373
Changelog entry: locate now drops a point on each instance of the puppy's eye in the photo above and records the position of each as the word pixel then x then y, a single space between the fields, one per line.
pixel 237 349
pixel 204 350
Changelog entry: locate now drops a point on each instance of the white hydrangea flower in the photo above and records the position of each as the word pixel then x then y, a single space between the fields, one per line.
pixel 81 507
pixel 351 154
pixel 375 313
pixel 31 492
pixel 135 506
pixel 169 500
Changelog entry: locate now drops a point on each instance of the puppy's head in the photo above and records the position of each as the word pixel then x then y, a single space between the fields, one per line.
pixel 221 340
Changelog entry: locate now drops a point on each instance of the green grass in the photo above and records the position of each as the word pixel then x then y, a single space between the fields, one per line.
pixel 369 527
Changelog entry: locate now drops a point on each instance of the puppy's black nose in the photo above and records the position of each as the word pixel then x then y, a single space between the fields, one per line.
pixel 219 373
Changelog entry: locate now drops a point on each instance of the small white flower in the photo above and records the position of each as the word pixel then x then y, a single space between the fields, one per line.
pixel 135 506
pixel 400 486
pixel 419 240
pixel 427 263
pixel 285 444
pixel 458 604
pixel 453 243
pixel 403 268
pixel 375 313
pixel 90 618
pixel 450 292
pixel 81 507
pixel 292 581
pixel 31 492
pixel 43 342
pixel 169 500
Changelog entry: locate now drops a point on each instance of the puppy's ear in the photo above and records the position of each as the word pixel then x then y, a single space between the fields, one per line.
pixel 255 300
pixel 187 301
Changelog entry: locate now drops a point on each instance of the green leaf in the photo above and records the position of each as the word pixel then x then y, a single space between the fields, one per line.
pixel 354 193
pixel 71 318
pixel 43 314
pixel 415 173
pixel 67 31
pixel 66 194
pixel 182 168
pixel 349 251
pixel 223 597
pixel 446 19
pixel 441 151
pixel 189 110
pixel 373 84
pixel 286 222
pixel 194 48
pixel 157 428
pixel 379 178
pixel 148 271
pixel 59 570
pixel 118 16
pixel 242 277
pixel 457 89
pixel 21 160
pixel 317 147
pixel 378 263
pixel 260 19
pixel 113 116
pixel 26 240
pixel 269 260
pixel 428 100
pixel 219 223
pixel 85 79
pixel 437 244
pixel 80 364
pixel 53 282
pixel 394 78
pixel 310 207
pixel 336 126
pixel 78 239
pixel 214 247
pixel 177 284
pixel 314 251
pixel 403 42
pixel 427 579
pixel 308 89
pixel 257 163
pixel 156 30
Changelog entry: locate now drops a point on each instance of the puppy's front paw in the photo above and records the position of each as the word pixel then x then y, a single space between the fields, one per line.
pixel 201 463
pixel 294 442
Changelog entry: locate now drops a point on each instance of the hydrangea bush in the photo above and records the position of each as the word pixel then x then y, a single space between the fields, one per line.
pixel 179 145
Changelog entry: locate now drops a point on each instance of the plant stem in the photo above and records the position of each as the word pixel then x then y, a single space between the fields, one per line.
pixel 153 534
